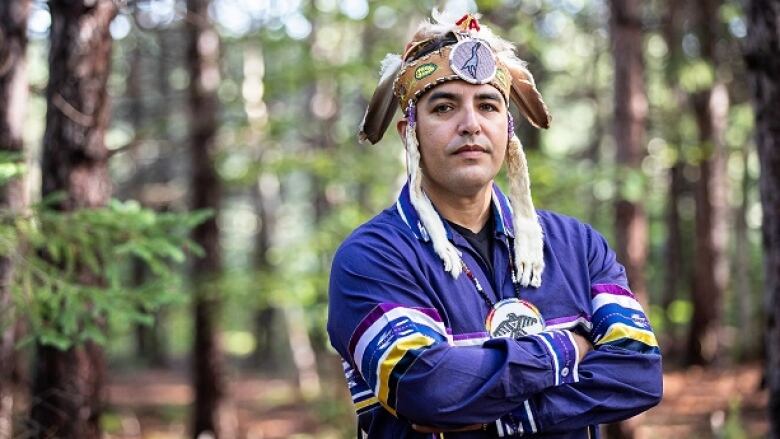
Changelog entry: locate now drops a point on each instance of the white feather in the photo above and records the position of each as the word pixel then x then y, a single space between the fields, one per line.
pixel 453 10
pixel 390 65
pixel 443 21
pixel 428 29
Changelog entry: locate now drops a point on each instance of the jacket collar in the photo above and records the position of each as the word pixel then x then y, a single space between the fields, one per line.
pixel 502 214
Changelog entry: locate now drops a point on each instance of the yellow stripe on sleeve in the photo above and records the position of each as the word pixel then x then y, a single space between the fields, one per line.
pixel 394 355
pixel 365 403
pixel 620 330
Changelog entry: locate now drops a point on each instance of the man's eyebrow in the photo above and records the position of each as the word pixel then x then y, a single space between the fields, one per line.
pixel 491 96
pixel 436 95
pixel 445 95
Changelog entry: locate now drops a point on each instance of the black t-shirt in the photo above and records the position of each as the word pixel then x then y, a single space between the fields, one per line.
pixel 481 241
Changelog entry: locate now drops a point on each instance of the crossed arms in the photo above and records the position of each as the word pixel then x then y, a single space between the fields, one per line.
pixel 391 334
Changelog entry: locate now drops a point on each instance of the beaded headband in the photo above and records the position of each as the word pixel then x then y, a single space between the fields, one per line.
pixel 468 52
pixel 470 59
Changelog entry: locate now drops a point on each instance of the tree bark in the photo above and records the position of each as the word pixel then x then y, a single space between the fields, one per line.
pixel 68 392
pixel 135 115
pixel 630 121
pixel 163 71
pixel 744 301
pixel 711 263
pixel 203 59
pixel 67 397
pixel 672 246
pixel 149 339
pixel 265 195
pixel 13 97
pixel 762 57
pixel 675 266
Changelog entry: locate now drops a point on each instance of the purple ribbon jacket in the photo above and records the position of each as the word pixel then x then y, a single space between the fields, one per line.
pixel 416 350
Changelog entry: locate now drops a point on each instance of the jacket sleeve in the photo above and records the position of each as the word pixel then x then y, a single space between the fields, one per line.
pixel 399 353
pixel 620 378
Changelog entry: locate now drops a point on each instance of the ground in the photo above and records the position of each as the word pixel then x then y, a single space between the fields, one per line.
pixel 701 403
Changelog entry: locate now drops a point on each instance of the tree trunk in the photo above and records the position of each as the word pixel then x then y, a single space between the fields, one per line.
pixel 203 58
pixel 674 266
pixel 762 57
pixel 68 392
pixel 592 153
pixel 149 339
pixel 13 98
pixel 711 263
pixel 304 359
pixel 164 68
pixel 265 195
pixel 630 116
pixel 743 290
pixel 68 385
pixel 672 245
pixel 369 37
pixel 135 115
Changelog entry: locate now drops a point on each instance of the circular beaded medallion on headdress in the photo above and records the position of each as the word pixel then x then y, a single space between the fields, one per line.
pixel 473 61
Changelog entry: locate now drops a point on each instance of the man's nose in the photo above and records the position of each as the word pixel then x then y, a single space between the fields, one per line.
pixel 469 122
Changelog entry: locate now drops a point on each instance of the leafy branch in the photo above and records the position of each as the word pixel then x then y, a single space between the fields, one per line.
pixel 72 270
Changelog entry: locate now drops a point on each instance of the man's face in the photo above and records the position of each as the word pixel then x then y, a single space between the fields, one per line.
pixel 462 131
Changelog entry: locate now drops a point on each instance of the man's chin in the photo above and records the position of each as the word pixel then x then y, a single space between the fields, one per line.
pixel 471 185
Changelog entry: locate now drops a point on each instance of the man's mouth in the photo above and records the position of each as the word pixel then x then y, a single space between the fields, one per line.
pixel 470 148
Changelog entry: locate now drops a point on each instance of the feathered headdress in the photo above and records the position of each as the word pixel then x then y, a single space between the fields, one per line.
pixel 444 49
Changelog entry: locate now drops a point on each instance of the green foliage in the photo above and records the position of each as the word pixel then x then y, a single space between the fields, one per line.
pixel 734 427
pixel 111 422
pixel 656 315
pixel 697 76
pixel 11 166
pixel 72 277
pixel 631 184
pixel 680 312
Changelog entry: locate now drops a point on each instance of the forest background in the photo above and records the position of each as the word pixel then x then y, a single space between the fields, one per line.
pixel 177 175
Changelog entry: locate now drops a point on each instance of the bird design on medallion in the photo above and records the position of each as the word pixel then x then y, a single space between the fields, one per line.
pixel 472 63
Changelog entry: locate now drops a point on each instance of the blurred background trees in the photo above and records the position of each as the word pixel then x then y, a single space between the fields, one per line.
pixel 13 103
pixel 74 164
pixel 761 57
pixel 245 112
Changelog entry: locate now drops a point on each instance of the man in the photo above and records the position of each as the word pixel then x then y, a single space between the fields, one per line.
pixel 461 312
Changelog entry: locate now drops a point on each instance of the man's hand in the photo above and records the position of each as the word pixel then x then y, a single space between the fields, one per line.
pixel 583 345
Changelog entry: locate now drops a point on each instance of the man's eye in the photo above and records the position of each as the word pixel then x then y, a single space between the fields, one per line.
pixel 489 107
pixel 442 108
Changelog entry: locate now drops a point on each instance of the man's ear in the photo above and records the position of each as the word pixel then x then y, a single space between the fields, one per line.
pixel 401 126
